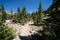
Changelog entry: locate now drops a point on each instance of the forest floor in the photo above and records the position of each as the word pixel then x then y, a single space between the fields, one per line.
pixel 23 30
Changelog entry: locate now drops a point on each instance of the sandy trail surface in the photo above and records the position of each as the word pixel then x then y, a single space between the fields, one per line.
pixel 23 30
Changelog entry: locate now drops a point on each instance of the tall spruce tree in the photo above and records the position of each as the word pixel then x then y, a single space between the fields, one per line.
pixel 34 17
pixel 6 33
pixel 55 20
pixel 15 17
pixel 11 14
pixel 24 11
pixel 53 23
pixel 18 14
pixel 23 16
pixel 4 15
pixel 40 19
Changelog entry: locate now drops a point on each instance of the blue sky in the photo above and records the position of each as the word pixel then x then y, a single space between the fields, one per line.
pixel 31 5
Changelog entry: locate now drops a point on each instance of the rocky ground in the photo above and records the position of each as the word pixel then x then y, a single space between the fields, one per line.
pixel 23 30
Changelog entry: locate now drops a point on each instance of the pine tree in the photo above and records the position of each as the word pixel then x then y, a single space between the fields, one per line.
pixel 23 16
pixel 18 15
pixel 24 11
pixel 9 34
pixel 11 14
pixel 38 16
pixel 4 15
pixel 15 17
pixel 34 17
pixel 19 12
pixel 6 33
pixel 55 20
pixel 39 19
pixel 53 23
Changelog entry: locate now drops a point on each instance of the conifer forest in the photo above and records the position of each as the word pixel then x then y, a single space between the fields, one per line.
pixel 37 25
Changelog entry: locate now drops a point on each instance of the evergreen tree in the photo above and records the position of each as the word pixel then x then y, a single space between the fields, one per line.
pixel 29 17
pixel 6 33
pixel 34 17
pixel 24 11
pixel 15 17
pixel 11 14
pixel 23 16
pixel 55 20
pixel 4 15
pixel 18 15
pixel 53 23
pixel 19 12
pixel 40 18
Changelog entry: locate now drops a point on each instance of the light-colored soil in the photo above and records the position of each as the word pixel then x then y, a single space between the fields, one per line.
pixel 23 30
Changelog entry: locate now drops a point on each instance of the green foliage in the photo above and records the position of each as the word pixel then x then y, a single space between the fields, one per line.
pixel 24 11
pixel 11 14
pixel 38 16
pixel 19 12
pixel 15 18
pixel 53 23
pixel 4 15
pixel 6 33
pixel 24 18
pixel 9 33
pixel 21 16
pixel 34 17
pixel 48 33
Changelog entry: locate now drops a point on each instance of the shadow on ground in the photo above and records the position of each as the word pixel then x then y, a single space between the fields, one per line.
pixel 32 37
